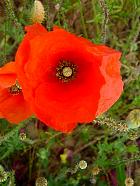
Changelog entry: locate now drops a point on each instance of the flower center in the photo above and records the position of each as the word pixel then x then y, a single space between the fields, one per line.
pixel 15 89
pixel 66 71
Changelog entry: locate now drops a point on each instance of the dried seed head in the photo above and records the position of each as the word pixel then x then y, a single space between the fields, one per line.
pixel 115 126
pixel 22 136
pixel 133 135
pixel 38 12
pixel 96 170
pixel 82 164
pixel 129 181
pixel 74 170
pixel 41 181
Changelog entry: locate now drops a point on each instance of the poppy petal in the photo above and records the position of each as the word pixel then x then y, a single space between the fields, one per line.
pixel 7 75
pixel 34 30
pixel 23 52
pixel 112 89
pixel 1 115
pixel 14 108
pixel 63 127
pixel 110 69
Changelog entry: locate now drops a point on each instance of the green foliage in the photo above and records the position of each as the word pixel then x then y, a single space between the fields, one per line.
pixel 115 22
pixel 121 175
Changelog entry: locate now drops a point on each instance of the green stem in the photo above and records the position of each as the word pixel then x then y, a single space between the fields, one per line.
pixel 94 14
pixel 82 19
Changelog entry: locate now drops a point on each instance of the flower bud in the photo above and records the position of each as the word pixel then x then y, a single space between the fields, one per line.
pixel 38 12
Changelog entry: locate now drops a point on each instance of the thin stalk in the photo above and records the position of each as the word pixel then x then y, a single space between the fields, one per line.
pixel 104 8
pixel 82 19
pixel 94 13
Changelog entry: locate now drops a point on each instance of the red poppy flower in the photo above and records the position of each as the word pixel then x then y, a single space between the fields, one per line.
pixel 13 107
pixel 67 79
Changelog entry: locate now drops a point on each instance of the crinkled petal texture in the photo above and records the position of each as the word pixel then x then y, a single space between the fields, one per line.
pixel 110 69
pixel 61 105
pixel 12 107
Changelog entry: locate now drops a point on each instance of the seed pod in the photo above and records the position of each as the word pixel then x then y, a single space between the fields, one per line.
pixel 38 12
pixel 82 164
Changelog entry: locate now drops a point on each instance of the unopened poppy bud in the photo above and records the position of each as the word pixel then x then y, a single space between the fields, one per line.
pixel 38 12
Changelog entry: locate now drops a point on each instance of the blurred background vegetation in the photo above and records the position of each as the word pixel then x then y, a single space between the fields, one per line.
pixel 103 153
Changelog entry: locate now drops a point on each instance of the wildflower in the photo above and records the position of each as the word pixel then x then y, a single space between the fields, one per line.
pixel 13 107
pixel 41 181
pixel 64 156
pixel 129 181
pixel 67 79
pixel 82 164
pixel 38 12
pixel 133 119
